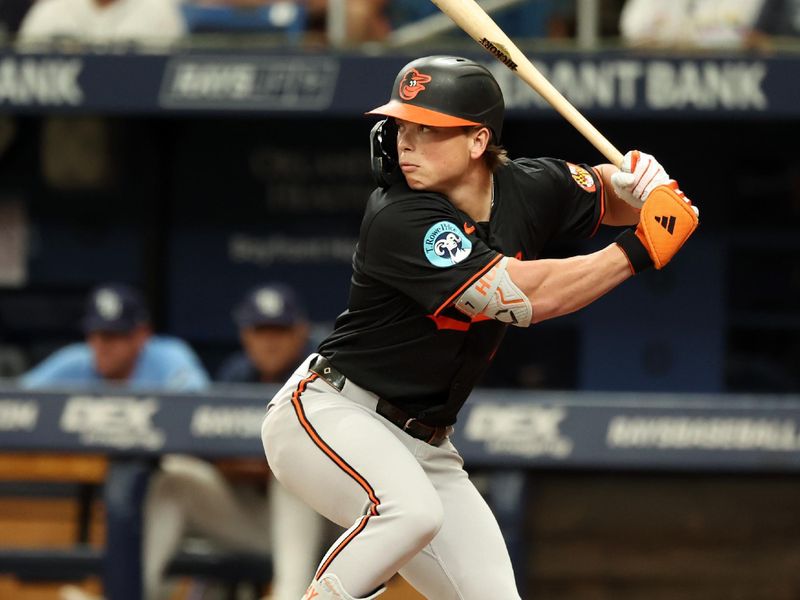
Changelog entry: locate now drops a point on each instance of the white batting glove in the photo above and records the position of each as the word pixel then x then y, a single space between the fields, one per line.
pixel 638 175
pixel 674 185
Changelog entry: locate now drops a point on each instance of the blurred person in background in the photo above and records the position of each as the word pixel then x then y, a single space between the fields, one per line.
pixel 776 19
pixel 185 495
pixel 274 333
pixel 688 23
pixel 11 14
pixel 367 20
pixel 157 21
pixel 120 348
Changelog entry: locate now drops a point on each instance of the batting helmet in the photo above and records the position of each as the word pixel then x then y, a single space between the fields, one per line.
pixel 446 91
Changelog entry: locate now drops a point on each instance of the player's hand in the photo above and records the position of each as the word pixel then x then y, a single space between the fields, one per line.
pixel 638 175
pixel 667 220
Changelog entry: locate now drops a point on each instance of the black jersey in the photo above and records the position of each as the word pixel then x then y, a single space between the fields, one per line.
pixel 400 336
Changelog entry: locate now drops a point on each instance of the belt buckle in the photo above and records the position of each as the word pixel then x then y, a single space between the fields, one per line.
pixel 431 437
pixel 327 373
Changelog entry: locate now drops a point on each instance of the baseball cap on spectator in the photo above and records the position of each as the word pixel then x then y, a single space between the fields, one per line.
pixel 272 304
pixel 114 308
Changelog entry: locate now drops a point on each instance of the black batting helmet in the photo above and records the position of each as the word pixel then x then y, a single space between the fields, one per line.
pixel 446 91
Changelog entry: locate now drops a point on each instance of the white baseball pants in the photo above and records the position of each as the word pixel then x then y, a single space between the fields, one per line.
pixel 408 507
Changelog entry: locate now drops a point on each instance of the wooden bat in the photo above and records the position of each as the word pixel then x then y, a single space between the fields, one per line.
pixel 470 17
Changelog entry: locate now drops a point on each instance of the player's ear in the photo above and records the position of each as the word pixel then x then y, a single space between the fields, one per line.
pixel 480 137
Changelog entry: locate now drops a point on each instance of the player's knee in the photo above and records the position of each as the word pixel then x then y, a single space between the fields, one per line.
pixel 426 519
pixel 194 477
pixel 184 483
pixel 189 468
pixel 164 488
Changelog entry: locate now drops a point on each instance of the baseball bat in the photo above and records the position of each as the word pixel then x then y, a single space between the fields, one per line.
pixel 470 17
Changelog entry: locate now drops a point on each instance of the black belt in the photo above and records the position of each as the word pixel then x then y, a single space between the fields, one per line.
pixel 416 429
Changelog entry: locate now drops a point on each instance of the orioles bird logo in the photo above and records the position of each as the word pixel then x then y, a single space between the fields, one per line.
pixel 412 84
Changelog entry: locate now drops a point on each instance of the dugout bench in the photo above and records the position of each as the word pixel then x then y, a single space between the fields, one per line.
pixel 505 432
pixel 123 481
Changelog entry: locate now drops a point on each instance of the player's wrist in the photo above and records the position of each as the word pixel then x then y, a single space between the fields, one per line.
pixel 635 251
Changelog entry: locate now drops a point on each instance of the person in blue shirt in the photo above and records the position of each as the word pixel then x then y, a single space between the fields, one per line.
pixel 185 494
pixel 120 348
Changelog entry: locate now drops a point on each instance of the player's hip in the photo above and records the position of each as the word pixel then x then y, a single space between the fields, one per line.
pixel 316 385
pixel 306 386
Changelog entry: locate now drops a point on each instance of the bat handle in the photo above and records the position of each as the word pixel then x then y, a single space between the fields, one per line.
pixel 608 150
pixel 598 140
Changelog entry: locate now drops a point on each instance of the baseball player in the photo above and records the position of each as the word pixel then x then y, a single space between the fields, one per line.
pixel 446 260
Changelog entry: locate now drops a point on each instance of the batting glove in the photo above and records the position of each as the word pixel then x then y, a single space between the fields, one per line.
pixel 638 175
pixel 673 185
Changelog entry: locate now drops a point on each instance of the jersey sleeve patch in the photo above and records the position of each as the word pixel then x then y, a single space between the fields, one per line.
pixel 444 245
pixel 582 177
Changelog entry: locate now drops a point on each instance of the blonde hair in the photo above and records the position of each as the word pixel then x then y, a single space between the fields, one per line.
pixel 495 156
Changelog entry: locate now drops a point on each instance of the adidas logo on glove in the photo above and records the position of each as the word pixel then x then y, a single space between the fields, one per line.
pixel 667 223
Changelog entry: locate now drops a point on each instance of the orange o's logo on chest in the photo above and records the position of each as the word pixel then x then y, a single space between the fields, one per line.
pixel 582 177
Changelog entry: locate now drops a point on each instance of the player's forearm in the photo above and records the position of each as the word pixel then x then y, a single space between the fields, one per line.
pixel 617 211
pixel 557 287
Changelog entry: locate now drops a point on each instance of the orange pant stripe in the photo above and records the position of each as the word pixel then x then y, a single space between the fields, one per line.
pixel 341 463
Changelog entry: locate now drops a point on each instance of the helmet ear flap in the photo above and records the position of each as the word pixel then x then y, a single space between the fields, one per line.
pixel 383 148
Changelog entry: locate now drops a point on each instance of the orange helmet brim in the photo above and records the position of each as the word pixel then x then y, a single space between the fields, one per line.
pixel 420 115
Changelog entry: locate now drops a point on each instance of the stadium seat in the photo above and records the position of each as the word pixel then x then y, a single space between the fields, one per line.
pixel 279 17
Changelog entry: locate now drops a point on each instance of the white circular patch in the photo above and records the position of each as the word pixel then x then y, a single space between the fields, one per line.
pixel 444 245
pixel 269 303
pixel 108 304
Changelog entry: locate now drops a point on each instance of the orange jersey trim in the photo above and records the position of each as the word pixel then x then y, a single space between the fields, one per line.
pixel 602 201
pixel 341 463
pixel 469 282
pixel 443 322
